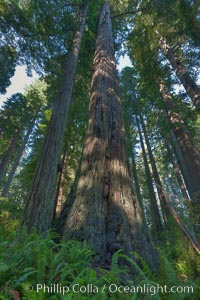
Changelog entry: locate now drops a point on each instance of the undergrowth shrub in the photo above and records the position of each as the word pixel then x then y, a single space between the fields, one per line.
pixel 179 263
pixel 9 217
pixel 27 260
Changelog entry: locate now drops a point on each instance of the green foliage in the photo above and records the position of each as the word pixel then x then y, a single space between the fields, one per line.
pixel 36 36
pixel 30 261
pixel 7 63
pixel 179 266
pixel 9 216
pixel 13 114
pixel 39 33
pixel 19 117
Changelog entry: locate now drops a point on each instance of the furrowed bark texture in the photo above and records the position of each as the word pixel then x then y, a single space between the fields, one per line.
pixel 41 200
pixel 104 211
pixel 189 154
pixel 182 73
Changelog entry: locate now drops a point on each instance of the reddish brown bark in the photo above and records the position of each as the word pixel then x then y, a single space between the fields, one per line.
pixel 41 199
pixel 104 211
pixel 182 73
pixel 59 191
pixel 190 155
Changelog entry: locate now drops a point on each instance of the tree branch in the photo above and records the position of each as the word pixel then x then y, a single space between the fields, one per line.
pixel 127 13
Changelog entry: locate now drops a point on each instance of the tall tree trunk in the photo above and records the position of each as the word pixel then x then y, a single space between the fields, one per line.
pixel 136 181
pixel 134 175
pixel 8 154
pixel 182 226
pixel 180 160
pixel 164 207
pixel 59 191
pixel 182 185
pixel 174 193
pixel 40 203
pixel 182 73
pixel 104 211
pixel 190 155
pixel 156 219
pixel 17 158
pixel 177 173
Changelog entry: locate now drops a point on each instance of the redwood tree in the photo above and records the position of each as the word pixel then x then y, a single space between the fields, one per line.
pixel 188 150
pixel 165 209
pixel 156 219
pixel 19 154
pixel 182 73
pixel 40 203
pixel 102 209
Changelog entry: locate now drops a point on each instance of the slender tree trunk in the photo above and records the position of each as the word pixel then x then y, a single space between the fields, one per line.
pixel 156 219
pixel 134 175
pixel 61 220
pixel 104 211
pixel 59 191
pixel 40 203
pixel 8 154
pixel 177 173
pixel 180 159
pixel 136 181
pixel 182 73
pixel 17 158
pixel 182 226
pixel 174 193
pixel 165 210
pixel 183 188
pixel 189 154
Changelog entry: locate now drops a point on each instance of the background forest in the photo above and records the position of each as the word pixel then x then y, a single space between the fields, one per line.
pixel 97 190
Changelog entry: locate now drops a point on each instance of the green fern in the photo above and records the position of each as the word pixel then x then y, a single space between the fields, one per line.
pixel 28 259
